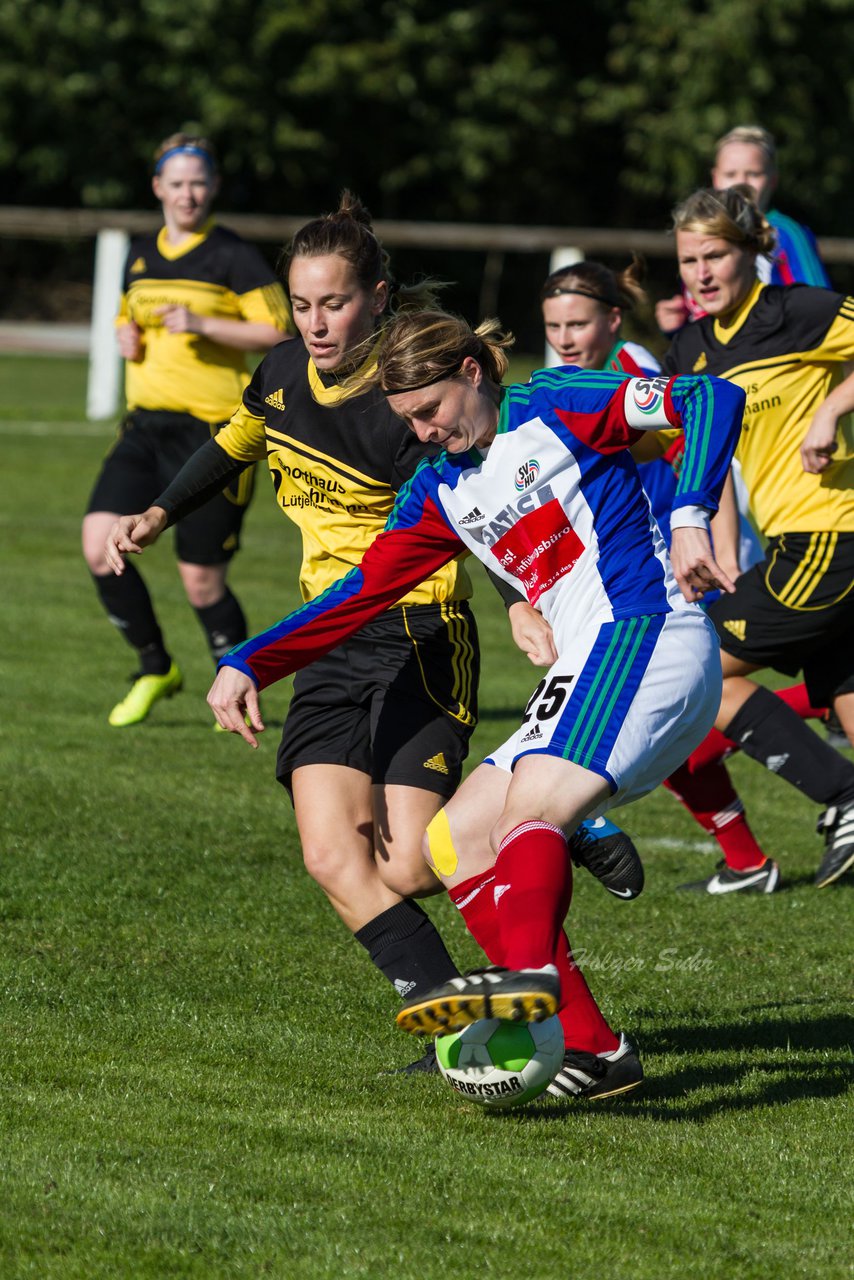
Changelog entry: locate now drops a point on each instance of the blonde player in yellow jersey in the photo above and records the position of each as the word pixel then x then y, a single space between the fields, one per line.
pixel 196 299
pixel 786 347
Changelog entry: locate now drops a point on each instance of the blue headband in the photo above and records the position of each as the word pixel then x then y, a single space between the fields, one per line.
pixel 186 150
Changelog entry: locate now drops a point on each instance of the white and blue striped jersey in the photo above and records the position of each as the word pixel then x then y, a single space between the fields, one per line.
pixel 554 506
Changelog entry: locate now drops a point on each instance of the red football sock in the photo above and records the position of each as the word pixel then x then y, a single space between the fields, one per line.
pixel 709 796
pixel 797 698
pixel 533 889
pixel 714 747
pixel 584 1026
pixel 534 864
pixel 475 901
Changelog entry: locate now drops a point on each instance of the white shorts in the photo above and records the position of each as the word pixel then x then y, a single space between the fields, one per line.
pixel 629 700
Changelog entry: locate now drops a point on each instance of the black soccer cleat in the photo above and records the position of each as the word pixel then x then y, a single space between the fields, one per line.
pixel 519 995
pixel 608 854
pixel 834 734
pixel 425 1065
pixel 763 879
pixel 837 823
pixel 598 1075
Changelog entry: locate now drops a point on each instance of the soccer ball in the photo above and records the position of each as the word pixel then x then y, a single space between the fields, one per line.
pixel 498 1063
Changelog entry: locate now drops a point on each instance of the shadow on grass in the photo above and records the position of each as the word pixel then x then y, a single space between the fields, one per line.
pixel 699 1091
pixel 845 884
pixel 788 1034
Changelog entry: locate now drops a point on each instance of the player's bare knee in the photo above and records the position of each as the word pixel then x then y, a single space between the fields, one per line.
pixel 324 864
pixel 204 584
pixel 411 879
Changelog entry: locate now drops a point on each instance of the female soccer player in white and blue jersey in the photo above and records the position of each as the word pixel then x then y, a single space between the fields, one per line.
pixel 538 483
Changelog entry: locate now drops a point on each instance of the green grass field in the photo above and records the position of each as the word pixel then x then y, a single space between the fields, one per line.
pixel 192 1047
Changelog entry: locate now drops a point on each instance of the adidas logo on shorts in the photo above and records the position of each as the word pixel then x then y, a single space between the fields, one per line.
pixel 736 627
pixel 533 735
pixel 276 400
pixel 437 763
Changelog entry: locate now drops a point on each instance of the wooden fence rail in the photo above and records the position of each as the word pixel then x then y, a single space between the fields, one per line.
pixel 50 224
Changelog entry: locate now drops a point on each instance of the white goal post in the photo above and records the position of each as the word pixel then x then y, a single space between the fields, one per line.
pixel 104 385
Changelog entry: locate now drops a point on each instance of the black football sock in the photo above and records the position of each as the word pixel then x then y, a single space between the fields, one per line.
pixel 405 945
pixel 769 731
pixel 224 624
pixel 130 610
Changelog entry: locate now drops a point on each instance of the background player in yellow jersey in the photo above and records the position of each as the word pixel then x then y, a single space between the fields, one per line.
pixel 786 347
pixel 748 154
pixel 196 299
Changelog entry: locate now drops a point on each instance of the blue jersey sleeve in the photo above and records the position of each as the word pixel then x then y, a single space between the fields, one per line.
pixel 711 411
pixel 796 256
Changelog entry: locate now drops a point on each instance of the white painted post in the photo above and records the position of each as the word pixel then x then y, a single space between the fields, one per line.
pixel 567 256
pixel 105 364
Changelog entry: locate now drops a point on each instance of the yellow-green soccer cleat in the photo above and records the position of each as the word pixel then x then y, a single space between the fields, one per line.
pixel 144 692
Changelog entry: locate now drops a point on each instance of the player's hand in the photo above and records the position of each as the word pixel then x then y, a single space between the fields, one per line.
pixel 129 339
pixel 130 534
pixel 179 319
pixel 532 634
pixel 820 444
pixel 671 313
pixel 694 564
pixel 233 698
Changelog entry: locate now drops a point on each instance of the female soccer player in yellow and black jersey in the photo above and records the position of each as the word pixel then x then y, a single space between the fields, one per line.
pixel 376 734
pixel 377 731
pixel 196 299
pixel 786 346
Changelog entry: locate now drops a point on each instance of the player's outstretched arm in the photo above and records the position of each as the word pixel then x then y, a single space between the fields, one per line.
pixel 532 634
pixel 820 442
pixel 130 534
pixel 233 698
pixel 694 564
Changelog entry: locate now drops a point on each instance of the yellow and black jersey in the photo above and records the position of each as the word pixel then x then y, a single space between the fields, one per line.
pixel 785 347
pixel 213 273
pixel 337 456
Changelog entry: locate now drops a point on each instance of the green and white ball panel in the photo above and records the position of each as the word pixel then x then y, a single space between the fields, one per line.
pixel 497 1063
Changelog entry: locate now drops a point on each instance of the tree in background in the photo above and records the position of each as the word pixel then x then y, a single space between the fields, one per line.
pixel 431 109
pixel 678 74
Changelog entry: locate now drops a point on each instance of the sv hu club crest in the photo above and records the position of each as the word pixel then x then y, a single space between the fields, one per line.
pixel 526 474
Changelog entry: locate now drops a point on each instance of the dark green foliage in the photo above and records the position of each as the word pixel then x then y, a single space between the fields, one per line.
pixel 485 111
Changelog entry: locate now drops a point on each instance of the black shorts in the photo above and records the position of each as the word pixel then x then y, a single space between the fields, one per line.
pixel 398 701
pixel 151 449
pixel 795 611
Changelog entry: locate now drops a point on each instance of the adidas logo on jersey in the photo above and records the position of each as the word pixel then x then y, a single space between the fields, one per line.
pixel 437 763
pixel 402 986
pixel 533 734
pixel 276 399
pixel 738 628
pixel 700 363
pixel 138 267
pixel 473 517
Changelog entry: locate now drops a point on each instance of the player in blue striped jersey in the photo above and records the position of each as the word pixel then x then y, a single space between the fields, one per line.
pixel 537 482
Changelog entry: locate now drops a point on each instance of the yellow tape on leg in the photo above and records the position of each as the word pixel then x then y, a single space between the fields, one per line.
pixel 443 856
